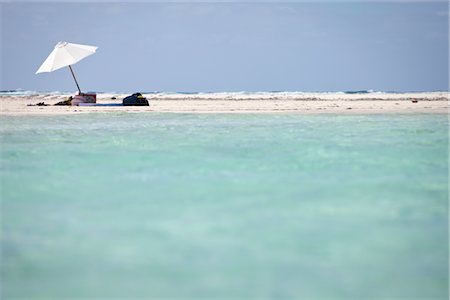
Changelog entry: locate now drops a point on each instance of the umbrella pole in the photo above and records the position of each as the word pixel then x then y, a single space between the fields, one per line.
pixel 75 79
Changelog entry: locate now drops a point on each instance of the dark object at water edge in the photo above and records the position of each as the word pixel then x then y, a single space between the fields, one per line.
pixel 414 101
pixel 135 100
pixel 113 98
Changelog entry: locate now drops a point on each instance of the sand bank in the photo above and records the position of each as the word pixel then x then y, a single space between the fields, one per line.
pixel 435 102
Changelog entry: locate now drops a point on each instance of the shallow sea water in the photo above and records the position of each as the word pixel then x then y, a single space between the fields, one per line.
pixel 222 206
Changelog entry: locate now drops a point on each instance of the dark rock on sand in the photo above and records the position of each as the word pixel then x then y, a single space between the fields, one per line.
pixel 38 104
pixel 68 101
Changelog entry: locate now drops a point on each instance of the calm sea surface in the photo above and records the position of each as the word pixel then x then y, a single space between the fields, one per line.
pixel 224 206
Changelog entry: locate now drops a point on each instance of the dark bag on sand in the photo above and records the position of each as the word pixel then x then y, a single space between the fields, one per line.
pixel 135 100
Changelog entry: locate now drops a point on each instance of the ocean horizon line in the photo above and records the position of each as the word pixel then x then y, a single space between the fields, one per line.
pixel 23 92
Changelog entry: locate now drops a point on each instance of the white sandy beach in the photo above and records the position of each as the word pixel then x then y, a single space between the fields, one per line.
pixel 295 102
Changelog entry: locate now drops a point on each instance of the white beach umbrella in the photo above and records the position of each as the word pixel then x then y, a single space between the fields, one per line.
pixel 66 54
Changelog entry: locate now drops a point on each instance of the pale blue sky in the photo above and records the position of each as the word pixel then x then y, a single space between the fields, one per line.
pixel 326 46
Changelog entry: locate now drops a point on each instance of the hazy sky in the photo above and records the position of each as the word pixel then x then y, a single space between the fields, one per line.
pixel 326 46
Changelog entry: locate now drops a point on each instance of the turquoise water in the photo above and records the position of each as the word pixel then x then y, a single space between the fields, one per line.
pixel 224 206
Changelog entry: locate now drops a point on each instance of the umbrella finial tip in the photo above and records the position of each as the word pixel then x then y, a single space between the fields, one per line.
pixel 60 44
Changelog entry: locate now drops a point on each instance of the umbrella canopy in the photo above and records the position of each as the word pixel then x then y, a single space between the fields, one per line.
pixel 66 54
